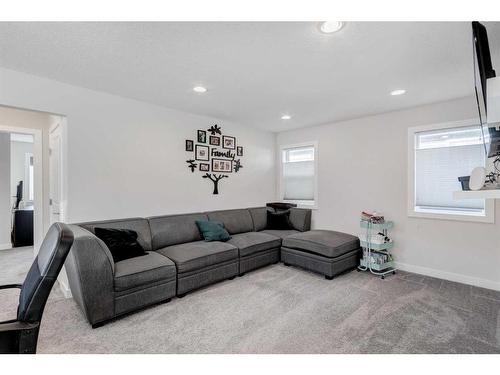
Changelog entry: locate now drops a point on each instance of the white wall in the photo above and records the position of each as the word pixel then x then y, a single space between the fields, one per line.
pixel 363 166
pixel 5 211
pixel 126 158
pixel 18 151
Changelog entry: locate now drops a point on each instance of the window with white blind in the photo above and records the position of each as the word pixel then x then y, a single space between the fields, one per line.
pixel 298 174
pixel 439 157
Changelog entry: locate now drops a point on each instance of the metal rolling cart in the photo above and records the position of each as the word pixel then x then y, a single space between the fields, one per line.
pixel 367 263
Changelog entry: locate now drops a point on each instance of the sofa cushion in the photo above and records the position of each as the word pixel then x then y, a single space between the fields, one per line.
pixel 280 233
pixel 323 242
pixel 300 218
pixel 175 229
pixel 139 225
pixel 254 242
pixel 259 218
pixel 144 270
pixel 196 255
pixel 235 221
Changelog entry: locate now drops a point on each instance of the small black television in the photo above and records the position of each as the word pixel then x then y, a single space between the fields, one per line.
pixel 19 194
pixel 483 70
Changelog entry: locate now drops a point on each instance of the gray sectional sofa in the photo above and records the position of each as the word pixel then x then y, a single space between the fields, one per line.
pixel 178 259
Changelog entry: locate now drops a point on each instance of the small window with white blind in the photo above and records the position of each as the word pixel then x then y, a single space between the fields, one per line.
pixel 298 174
pixel 438 156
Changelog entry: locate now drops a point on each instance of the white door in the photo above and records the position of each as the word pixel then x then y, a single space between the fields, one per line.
pixel 55 174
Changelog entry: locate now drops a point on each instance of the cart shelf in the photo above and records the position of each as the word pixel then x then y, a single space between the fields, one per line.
pixel 378 267
pixel 379 227
pixel 377 246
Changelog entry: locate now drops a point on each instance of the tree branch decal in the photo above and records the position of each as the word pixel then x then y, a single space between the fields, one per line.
pixel 214 129
pixel 237 165
pixel 215 179
pixel 192 164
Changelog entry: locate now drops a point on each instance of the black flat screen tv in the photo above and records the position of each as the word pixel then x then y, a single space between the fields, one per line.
pixel 19 193
pixel 483 70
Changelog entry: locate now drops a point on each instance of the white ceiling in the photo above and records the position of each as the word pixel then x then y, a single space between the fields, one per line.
pixel 255 71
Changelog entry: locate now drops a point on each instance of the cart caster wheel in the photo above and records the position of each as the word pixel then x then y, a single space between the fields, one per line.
pixel 357 269
pixel 382 277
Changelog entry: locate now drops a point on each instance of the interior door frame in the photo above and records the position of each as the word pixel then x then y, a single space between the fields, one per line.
pixel 38 174
pixel 57 129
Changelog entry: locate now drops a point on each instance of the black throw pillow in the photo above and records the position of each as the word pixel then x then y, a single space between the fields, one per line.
pixel 122 243
pixel 278 220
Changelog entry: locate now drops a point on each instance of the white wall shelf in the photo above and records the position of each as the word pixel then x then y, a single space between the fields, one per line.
pixel 477 194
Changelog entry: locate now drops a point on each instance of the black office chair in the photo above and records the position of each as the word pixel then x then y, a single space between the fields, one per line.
pixel 21 335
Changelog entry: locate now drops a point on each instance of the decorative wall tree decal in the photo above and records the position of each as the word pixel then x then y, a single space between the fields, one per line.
pixel 215 179
pixel 237 165
pixel 215 158
pixel 214 129
pixel 191 165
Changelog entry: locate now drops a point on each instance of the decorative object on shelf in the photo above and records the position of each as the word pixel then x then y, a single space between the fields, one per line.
pixel 376 245
pixel 464 181
pixel 192 165
pixel 214 140
pixel 214 129
pixel 216 160
pixel 477 178
pixel 202 136
pixel 201 153
pixel 228 142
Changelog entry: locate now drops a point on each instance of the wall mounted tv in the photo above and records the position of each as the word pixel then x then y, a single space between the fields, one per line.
pixel 483 70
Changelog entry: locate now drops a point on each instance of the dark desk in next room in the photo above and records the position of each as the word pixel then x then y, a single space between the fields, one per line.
pixel 22 228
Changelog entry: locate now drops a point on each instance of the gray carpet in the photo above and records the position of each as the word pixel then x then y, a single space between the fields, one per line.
pixel 281 310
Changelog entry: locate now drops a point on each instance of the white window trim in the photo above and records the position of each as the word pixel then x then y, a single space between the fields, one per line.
pixel 489 206
pixel 281 190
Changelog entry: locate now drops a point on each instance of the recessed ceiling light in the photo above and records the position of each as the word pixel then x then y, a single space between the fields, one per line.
pixel 199 89
pixel 398 92
pixel 286 117
pixel 330 27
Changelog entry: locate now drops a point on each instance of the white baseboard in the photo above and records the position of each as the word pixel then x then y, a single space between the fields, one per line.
pixel 475 281
pixel 66 291
pixel 5 246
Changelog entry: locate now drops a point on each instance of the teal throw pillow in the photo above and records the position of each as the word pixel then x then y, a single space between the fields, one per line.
pixel 212 230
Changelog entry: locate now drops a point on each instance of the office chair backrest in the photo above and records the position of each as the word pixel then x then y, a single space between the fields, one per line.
pixel 43 272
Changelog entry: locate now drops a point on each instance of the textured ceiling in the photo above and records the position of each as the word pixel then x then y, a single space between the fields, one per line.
pixel 255 71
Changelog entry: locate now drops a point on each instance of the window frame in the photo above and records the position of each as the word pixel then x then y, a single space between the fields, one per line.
pixel 489 204
pixel 281 190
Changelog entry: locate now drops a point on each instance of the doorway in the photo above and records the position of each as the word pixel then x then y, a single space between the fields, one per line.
pixel 28 176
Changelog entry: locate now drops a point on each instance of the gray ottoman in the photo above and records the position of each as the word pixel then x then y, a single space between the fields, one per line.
pixel 326 252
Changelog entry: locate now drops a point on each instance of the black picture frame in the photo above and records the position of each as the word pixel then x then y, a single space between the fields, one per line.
pixel 189 145
pixel 228 142
pixel 216 165
pixel 204 167
pixel 213 140
pixel 202 136
pixel 239 151
pixel 200 152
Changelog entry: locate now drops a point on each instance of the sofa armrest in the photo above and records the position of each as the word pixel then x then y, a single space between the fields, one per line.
pixel 90 270
pixel 300 219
